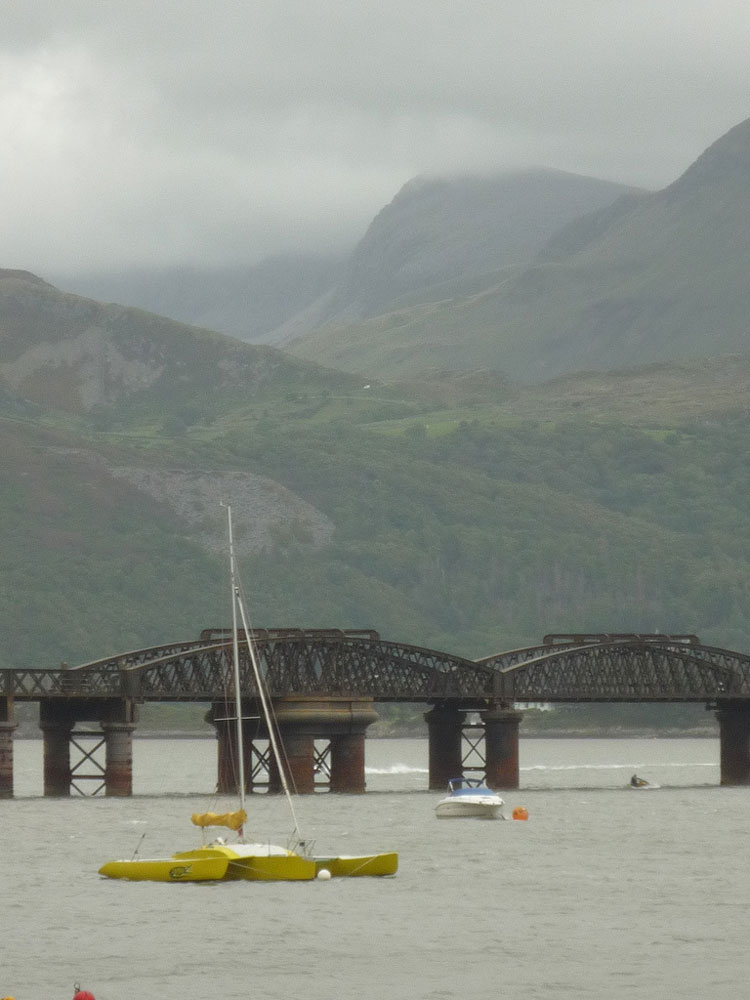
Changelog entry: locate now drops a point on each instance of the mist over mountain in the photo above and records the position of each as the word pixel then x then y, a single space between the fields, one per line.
pixel 446 230
pixel 650 277
pixel 248 303
pixel 531 274
pixel 435 231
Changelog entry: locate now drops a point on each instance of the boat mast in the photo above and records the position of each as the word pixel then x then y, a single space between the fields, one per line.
pixel 267 714
pixel 236 658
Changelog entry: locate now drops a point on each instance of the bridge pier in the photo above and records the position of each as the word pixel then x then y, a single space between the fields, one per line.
pixel 501 747
pixel 7 728
pixel 57 720
pixel 226 760
pixel 348 762
pixel 341 721
pixel 444 731
pixel 734 743
pixel 445 725
pixel 56 733
pixel 222 716
pixel 118 768
pixel 299 759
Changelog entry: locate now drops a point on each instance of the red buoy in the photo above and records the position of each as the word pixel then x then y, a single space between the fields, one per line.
pixel 520 812
pixel 84 995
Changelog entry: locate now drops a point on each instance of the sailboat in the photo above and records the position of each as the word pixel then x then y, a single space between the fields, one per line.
pixel 222 861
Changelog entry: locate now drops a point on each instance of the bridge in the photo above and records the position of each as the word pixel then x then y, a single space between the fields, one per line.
pixel 323 684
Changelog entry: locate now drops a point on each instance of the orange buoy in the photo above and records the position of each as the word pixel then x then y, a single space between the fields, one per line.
pixel 520 812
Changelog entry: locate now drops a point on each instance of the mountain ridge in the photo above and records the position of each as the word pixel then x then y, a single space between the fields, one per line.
pixel 651 277
pixel 77 354
pixel 434 229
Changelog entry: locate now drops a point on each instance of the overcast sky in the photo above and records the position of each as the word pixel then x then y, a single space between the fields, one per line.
pixel 156 132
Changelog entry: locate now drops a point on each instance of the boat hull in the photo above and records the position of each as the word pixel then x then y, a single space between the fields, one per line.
pixel 192 867
pixel 245 863
pixel 274 868
pixel 215 864
pixel 452 809
pixel 351 867
pixel 469 797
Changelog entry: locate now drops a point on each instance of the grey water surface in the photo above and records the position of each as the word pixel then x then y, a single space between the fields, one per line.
pixel 606 892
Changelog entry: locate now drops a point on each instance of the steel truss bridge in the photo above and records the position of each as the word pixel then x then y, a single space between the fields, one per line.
pixel 358 663
pixel 323 682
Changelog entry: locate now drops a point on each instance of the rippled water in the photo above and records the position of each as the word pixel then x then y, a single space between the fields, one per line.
pixel 606 892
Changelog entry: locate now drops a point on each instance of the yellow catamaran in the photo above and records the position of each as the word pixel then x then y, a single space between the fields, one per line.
pixel 222 861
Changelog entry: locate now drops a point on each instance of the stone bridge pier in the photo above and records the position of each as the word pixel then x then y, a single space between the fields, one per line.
pixel 339 721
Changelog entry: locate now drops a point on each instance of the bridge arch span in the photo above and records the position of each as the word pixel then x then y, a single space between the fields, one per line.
pixel 297 663
pixel 632 670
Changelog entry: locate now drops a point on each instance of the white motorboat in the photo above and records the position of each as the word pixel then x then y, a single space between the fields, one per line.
pixel 470 797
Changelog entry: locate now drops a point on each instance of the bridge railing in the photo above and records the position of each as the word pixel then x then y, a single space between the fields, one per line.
pixel 586 638
pixel 31 684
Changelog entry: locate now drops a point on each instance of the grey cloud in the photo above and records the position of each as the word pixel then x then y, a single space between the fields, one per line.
pixel 168 132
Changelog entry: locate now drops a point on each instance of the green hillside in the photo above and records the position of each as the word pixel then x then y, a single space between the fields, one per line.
pixel 464 513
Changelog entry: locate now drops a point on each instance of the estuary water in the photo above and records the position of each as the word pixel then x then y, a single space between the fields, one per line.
pixel 605 892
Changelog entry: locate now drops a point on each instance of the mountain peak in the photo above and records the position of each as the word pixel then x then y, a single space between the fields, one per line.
pixel 7 273
pixel 440 229
pixel 725 161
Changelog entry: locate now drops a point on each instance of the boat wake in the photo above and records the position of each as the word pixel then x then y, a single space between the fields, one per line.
pixel 396 769
pixel 610 767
